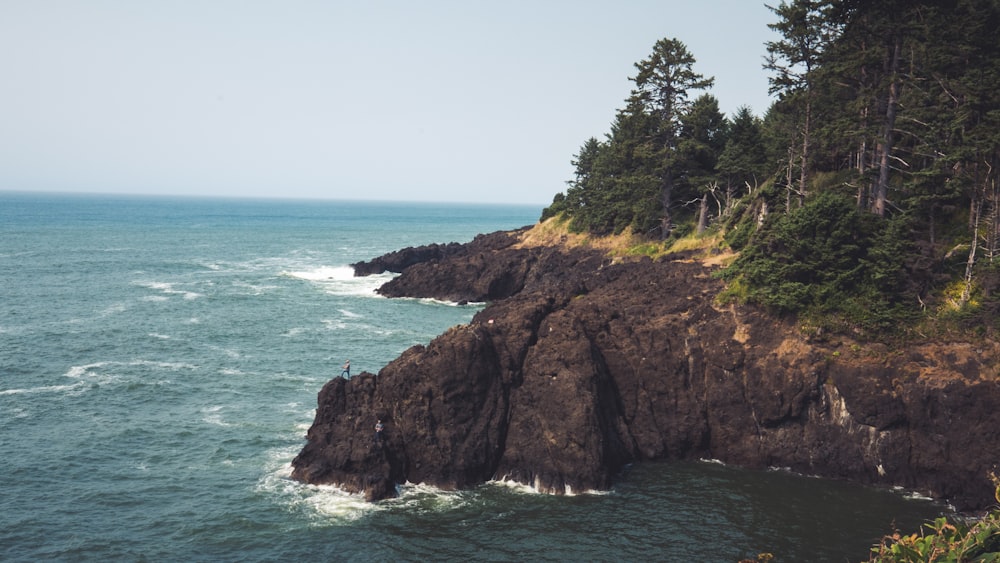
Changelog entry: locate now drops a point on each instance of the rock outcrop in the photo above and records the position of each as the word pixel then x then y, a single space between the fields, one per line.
pixel 580 365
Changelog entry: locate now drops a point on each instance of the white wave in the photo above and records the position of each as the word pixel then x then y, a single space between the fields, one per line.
pixel 162 286
pixel 350 314
pixel 432 301
pixel 324 274
pixel 324 502
pixel 253 289
pixel 44 389
pixel 712 461
pixel 331 502
pixel 515 486
pixel 534 490
pixel 213 415
pixel 229 352
pixel 168 288
pixel 420 496
pixel 113 309
pixel 332 324
pixel 77 372
pixel 167 365
pixel 912 495
pixel 159 336
pixel 340 280
pixel 155 298
pixel 106 373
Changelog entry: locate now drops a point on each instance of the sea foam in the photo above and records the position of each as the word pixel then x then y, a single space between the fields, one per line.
pixel 340 280
pixel 43 389
pixel 168 289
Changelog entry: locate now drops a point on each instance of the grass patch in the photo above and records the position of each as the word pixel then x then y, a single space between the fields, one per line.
pixel 710 248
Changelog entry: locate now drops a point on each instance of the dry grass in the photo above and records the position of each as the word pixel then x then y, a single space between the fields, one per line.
pixel 709 249
pixel 555 232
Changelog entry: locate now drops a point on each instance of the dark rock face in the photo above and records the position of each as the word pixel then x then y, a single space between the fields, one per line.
pixel 400 260
pixel 580 366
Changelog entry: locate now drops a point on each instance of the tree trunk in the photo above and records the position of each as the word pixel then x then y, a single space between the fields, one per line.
pixel 862 197
pixel 991 189
pixel 888 130
pixel 788 182
pixel 762 213
pixel 703 214
pixel 666 221
pixel 805 149
pixel 971 262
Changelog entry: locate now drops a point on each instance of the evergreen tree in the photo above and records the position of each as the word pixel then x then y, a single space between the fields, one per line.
pixel 805 32
pixel 703 138
pixel 743 161
pixel 661 89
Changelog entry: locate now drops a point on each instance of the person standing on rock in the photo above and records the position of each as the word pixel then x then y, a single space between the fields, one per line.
pixel 347 370
pixel 379 427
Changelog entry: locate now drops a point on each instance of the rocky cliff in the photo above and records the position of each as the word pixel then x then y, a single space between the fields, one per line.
pixel 580 365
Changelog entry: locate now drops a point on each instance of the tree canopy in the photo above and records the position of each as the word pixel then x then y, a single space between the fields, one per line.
pixel 875 170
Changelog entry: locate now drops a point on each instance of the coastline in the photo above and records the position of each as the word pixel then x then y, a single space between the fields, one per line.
pixel 572 330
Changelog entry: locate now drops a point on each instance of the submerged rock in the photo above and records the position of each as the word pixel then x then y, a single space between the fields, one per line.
pixel 579 366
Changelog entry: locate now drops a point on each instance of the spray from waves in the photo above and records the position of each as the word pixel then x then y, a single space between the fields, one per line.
pixel 324 504
pixel 327 504
pixel 517 487
pixel 340 280
pixel 324 274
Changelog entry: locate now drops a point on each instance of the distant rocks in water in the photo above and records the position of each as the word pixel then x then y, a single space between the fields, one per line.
pixel 399 260
pixel 580 365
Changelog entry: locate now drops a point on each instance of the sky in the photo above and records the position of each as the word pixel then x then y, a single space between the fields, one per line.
pixel 437 101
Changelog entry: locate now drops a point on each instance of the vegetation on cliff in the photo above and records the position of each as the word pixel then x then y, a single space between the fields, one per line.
pixel 866 198
pixel 942 541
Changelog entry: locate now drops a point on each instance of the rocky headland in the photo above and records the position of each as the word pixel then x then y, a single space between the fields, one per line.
pixel 581 364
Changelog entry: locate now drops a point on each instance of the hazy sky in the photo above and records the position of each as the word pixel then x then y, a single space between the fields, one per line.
pixel 390 100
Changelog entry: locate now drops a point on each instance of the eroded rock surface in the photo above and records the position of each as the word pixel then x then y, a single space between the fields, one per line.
pixel 579 366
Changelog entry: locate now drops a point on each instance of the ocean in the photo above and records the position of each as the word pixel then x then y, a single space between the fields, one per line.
pixel 159 364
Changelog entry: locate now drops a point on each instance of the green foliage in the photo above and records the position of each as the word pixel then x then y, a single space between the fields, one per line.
pixel 738 237
pixel 944 542
pixel 744 158
pixel 826 258
pixel 626 182
pixel 559 205
pixel 891 105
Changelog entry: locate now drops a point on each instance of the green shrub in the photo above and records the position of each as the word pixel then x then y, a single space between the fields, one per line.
pixel 827 259
pixel 945 542
pixel 942 541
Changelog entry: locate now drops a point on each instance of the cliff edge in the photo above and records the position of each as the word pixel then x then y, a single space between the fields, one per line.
pixel 580 365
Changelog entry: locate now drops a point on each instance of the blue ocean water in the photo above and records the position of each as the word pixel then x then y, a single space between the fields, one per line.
pixel 159 365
